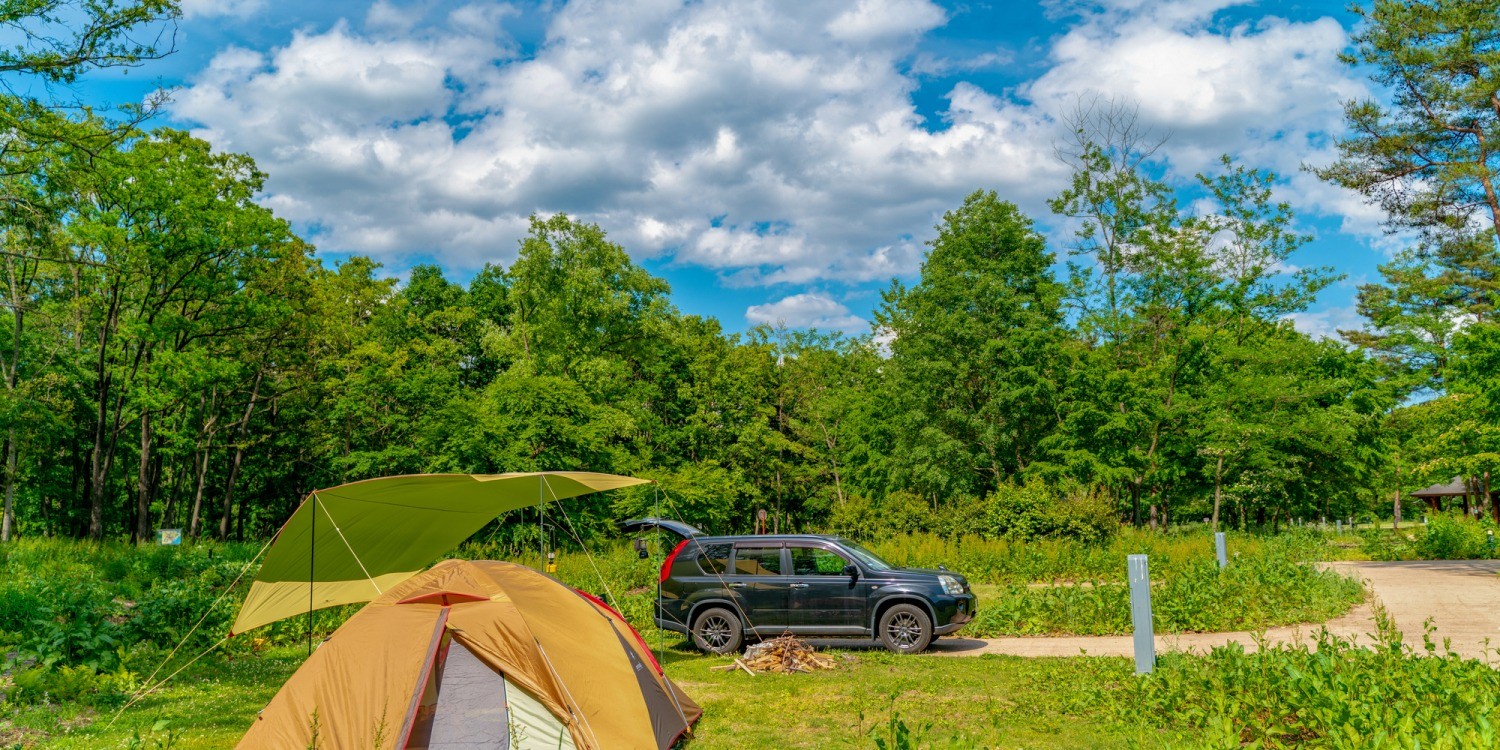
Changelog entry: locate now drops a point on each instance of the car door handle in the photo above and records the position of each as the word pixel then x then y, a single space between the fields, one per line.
pixel 736 585
pixel 799 585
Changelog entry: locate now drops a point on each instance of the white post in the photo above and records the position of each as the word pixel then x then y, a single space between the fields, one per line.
pixel 1221 551
pixel 1140 613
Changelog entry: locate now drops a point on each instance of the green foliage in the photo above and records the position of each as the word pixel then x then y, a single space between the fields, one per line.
pixel 705 495
pixel 81 685
pixel 974 351
pixel 1258 590
pixel 1443 537
pixel 1011 511
pixel 1330 693
pixel 1030 512
pixel 58 40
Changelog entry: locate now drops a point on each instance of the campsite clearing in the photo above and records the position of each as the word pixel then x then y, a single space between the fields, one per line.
pixel 991 701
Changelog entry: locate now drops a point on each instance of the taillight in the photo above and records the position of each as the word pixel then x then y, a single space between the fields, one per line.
pixel 666 565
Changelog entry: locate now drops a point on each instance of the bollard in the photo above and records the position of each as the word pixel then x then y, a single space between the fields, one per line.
pixel 1140 613
pixel 1219 548
pixel 1489 543
pixel 1338 525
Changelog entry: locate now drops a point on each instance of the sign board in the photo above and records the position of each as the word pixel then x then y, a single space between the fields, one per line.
pixel 170 537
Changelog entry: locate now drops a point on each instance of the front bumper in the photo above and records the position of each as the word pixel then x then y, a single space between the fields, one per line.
pixel 955 612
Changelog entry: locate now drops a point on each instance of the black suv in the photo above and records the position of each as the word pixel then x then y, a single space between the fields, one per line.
pixel 719 589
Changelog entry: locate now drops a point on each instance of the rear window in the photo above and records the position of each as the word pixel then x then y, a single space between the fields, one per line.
pixel 715 559
pixel 757 561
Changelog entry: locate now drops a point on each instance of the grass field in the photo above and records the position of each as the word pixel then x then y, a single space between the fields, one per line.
pixel 1339 697
pixel 983 701
pixel 82 626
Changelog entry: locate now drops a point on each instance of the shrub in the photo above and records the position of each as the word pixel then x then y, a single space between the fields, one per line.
pixel 1447 537
pixel 1444 537
pixel 76 623
pixel 899 512
pixel 67 684
pixel 1023 512
pixel 1335 693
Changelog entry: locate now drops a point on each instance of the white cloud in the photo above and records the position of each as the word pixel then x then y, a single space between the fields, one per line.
pixel 770 142
pixel 927 64
pixel 211 8
pixel 809 310
pixel 1326 323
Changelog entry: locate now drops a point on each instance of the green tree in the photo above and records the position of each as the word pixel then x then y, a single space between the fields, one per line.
pixel 975 346
pixel 1429 159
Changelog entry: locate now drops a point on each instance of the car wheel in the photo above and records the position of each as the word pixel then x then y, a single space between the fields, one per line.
pixel 905 629
pixel 717 631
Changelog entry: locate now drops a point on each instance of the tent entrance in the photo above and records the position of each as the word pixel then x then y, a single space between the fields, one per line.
pixel 466 705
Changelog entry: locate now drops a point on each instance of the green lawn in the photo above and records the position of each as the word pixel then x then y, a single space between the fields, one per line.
pixel 983 701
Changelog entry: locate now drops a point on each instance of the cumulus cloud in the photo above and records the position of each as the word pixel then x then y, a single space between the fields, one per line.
pixel 808 310
pixel 773 143
pixel 1269 90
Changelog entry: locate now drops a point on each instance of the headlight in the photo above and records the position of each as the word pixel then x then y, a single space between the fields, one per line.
pixel 951 586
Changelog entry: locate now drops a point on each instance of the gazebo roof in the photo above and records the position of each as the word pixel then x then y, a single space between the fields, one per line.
pixel 1450 489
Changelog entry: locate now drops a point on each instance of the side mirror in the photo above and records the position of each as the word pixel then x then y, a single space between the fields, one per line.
pixel 851 571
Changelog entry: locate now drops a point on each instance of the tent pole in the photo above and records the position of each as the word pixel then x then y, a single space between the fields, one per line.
pixel 661 646
pixel 312 557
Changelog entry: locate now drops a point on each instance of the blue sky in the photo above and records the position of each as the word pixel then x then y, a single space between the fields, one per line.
pixel 773 161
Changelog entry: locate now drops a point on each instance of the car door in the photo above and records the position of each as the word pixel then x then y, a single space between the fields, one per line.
pixel 757 576
pixel 823 596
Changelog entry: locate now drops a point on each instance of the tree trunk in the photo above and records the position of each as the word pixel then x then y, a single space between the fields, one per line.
pixel 1396 504
pixel 1494 508
pixel 194 526
pixel 239 457
pixel 143 483
pixel 8 522
pixel 833 462
pixel 1218 489
pixel 98 476
pixel 103 439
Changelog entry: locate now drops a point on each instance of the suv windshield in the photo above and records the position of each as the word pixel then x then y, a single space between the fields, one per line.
pixel 870 559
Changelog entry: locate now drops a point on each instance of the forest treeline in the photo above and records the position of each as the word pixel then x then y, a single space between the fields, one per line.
pixel 174 355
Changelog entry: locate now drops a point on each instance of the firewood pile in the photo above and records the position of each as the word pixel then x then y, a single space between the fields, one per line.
pixel 782 655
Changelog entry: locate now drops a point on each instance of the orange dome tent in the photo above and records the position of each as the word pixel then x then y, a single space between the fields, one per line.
pixel 478 655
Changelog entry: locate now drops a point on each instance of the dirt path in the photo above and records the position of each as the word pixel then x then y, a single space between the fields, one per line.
pixel 1461 596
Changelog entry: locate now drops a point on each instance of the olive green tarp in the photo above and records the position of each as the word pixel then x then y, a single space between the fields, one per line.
pixel 350 543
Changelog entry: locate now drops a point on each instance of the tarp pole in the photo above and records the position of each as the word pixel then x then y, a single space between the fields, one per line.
pixel 312 557
pixel 656 609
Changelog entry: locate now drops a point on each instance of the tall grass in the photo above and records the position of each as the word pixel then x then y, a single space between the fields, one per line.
pixel 1443 537
pixel 1259 590
pixel 115 605
pixel 1012 561
pixel 1335 693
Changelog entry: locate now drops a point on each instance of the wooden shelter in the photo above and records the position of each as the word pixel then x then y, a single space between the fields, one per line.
pixel 1458 487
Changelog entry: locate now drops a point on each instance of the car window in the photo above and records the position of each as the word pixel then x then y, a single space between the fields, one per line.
pixel 870 559
pixel 757 561
pixel 816 561
pixel 715 559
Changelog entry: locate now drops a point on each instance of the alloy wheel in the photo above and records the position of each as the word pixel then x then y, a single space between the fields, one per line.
pixel 904 630
pixel 714 631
